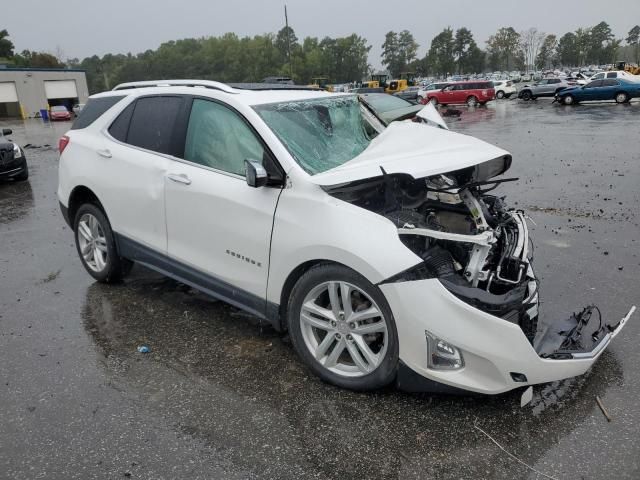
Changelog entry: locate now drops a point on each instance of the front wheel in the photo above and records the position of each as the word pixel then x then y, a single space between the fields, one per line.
pixel 568 100
pixel 419 99
pixel 342 328
pixel 96 245
pixel 622 97
pixel 526 96
pixel 472 101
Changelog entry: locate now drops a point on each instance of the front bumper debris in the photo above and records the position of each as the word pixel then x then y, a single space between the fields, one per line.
pixel 498 356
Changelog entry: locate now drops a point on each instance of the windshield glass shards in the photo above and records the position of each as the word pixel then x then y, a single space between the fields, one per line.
pixel 319 134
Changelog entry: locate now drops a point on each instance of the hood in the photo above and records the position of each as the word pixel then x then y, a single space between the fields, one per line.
pixel 411 149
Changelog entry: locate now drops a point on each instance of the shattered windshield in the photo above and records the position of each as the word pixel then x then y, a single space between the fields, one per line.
pixel 320 134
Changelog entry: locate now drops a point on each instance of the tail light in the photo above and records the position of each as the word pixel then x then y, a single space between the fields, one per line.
pixel 62 143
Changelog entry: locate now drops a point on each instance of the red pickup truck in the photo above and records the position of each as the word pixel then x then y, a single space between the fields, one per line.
pixel 472 93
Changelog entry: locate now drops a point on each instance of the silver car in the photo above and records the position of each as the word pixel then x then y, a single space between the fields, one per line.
pixel 547 87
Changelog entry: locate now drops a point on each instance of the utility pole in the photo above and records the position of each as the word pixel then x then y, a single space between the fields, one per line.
pixel 286 22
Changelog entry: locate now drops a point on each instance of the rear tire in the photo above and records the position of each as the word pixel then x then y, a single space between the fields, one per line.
pixel 96 245
pixel 500 94
pixel 472 101
pixel 419 99
pixel 433 101
pixel 622 97
pixel 330 344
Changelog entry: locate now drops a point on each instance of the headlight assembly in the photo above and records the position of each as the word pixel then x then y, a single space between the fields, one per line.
pixel 17 151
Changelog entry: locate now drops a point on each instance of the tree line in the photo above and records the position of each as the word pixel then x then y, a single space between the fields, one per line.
pixel 506 50
pixel 231 58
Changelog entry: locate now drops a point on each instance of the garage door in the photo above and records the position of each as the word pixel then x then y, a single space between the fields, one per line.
pixel 8 92
pixel 60 89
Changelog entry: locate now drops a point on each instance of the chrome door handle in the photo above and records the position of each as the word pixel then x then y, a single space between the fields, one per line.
pixel 104 153
pixel 179 178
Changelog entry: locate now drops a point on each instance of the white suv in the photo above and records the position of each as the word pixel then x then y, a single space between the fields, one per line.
pixel 378 249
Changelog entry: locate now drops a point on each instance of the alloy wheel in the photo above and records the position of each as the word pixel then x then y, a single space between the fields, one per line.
pixel 344 329
pixel 92 242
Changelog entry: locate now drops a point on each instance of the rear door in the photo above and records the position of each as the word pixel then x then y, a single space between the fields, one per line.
pixel 137 162
pixel 218 227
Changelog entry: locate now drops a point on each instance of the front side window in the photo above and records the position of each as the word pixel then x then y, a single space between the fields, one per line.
pixel 610 82
pixel 219 138
pixel 152 123
pixel 599 76
pixel 612 75
pixel 597 83
pixel 321 133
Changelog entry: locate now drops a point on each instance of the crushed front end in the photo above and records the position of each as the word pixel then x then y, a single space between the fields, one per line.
pixel 467 314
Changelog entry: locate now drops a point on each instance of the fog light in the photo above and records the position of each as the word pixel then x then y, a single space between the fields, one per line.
pixel 442 355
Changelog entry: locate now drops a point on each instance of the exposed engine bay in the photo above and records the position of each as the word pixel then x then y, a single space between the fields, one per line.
pixel 476 246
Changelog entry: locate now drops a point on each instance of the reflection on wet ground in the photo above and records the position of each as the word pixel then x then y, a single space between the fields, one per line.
pixel 248 379
pixel 221 396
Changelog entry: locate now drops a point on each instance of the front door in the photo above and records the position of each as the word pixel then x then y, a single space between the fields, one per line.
pixel 218 227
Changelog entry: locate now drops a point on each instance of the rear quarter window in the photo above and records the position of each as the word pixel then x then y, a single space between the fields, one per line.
pixel 94 108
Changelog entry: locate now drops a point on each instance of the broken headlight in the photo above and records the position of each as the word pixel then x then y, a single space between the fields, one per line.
pixel 442 355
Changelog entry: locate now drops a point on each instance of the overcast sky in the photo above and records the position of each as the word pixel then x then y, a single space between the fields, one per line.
pixel 79 29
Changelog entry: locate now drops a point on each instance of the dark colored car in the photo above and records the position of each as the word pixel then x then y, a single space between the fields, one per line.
pixel 59 112
pixel 618 89
pixel 409 93
pixel 472 93
pixel 388 108
pixel 13 163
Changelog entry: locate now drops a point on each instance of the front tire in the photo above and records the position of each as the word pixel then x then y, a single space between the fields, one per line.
pixel 568 100
pixel 526 96
pixel 343 329
pixel 96 245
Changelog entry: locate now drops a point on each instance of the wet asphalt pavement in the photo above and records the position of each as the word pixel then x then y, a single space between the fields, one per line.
pixel 219 396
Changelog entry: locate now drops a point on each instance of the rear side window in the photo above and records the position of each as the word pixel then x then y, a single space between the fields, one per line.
pixel 152 123
pixel 612 75
pixel 120 126
pixel 94 108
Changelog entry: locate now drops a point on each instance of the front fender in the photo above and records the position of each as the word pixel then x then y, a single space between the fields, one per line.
pixel 311 225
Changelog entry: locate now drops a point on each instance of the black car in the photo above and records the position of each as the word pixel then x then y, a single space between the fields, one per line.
pixel 13 162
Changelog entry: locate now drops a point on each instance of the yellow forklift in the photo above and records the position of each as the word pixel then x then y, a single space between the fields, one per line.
pixel 626 67
pixel 320 82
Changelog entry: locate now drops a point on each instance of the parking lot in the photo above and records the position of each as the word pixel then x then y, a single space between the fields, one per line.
pixel 221 396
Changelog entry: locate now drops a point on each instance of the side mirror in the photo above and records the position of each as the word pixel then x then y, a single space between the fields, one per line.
pixel 6 131
pixel 256 174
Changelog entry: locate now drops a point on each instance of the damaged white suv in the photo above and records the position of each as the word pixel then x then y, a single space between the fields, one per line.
pixel 379 249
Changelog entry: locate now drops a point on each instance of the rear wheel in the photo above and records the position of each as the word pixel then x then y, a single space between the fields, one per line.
pixel 472 101
pixel 434 101
pixel 96 245
pixel 568 100
pixel 622 97
pixel 342 327
pixel 500 94
pixel 419 99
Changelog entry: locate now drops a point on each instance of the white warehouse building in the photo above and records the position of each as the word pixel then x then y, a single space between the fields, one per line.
pixel 26 91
